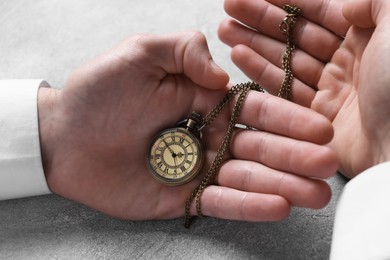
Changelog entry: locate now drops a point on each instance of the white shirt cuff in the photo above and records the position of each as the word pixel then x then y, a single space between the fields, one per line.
pixel 362 224
pixel 21 170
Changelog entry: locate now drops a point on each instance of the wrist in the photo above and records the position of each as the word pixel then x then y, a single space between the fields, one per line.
pixel 46 106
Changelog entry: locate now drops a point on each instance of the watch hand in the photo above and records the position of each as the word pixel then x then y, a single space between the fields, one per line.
pixel 169 148
pixel 174 160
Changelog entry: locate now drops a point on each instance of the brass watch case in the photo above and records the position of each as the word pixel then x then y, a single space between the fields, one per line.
pixel 175 156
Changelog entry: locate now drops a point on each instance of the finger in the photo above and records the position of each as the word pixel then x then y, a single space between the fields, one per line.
pixel 256 178
pixel 304 66
pixel 186 53
pixel 285 154
pixel 227 203
pixel 316 32
pixel 367 13
pixel 270 76
pixel 272 114
pixel 323 12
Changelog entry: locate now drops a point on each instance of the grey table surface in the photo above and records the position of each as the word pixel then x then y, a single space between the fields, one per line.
pixel 50 38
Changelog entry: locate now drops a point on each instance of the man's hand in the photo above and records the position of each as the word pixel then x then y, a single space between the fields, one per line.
pixel 340 70
pixel 96 130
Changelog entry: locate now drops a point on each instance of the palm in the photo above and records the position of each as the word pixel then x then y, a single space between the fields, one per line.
pixel 117 126
pixel 344 79
pixel 350 95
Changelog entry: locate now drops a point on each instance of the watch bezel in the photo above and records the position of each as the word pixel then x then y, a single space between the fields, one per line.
pixel 190 175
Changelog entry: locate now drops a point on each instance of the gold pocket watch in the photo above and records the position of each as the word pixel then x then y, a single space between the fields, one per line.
pixel 175 155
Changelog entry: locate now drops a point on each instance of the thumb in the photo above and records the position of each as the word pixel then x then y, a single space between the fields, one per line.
pixel 197 63
pixel 366 13
pixel 188 53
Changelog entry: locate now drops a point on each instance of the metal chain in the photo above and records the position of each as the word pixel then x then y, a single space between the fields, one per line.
pixel 209 118
pixel 243 89
pixel 286 27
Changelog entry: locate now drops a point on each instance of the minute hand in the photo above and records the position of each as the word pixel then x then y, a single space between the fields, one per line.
pixel 169 148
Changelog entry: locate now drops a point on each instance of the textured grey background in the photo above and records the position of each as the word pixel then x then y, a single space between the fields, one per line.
pixel 50 38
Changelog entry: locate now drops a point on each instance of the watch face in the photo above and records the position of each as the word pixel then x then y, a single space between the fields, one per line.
pixel 175 156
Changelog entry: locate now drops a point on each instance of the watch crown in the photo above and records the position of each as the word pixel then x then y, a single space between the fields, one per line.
pixel 192 124
pixel 194 120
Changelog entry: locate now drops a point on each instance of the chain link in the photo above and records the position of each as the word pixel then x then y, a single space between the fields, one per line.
pixel 286 27
pixel 209 118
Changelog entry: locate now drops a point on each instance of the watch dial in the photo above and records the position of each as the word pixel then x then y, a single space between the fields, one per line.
pixel 175 156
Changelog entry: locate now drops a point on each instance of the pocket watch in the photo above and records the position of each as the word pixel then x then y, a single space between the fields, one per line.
pixel 175 155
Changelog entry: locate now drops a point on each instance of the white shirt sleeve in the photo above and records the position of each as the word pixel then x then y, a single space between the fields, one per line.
pixel 362 223
pixel 21 170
